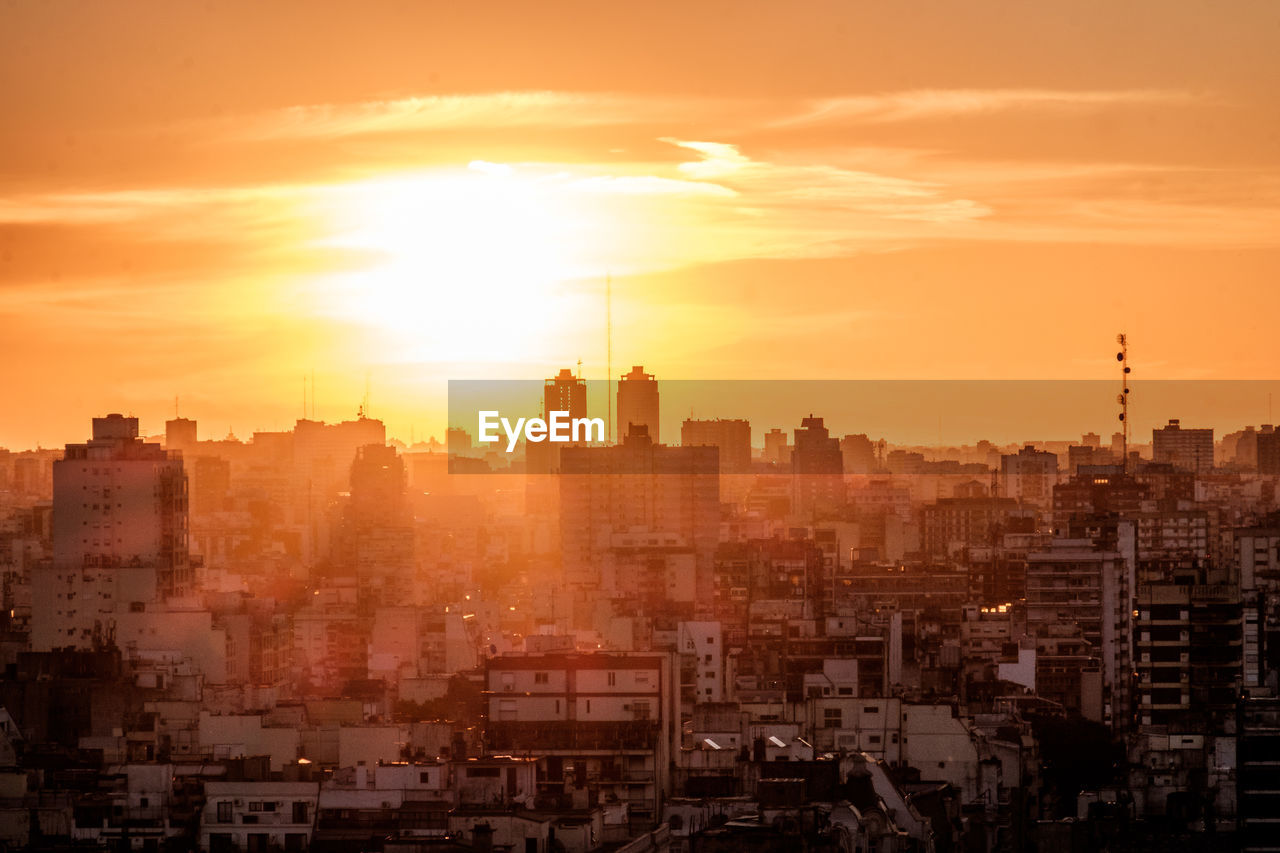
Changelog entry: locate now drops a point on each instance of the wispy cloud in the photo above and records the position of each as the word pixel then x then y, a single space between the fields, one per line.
pixel 482 110
pixel 918 104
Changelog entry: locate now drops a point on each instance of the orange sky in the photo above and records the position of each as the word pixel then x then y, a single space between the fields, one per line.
pixel 213 200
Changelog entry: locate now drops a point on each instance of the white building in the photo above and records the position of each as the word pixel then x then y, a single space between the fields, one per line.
pixel 255 817
pixel 119 537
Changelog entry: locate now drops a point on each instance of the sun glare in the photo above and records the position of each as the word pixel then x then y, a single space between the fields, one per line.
pixel 435 250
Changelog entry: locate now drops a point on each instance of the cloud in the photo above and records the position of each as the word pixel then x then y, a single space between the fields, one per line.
pixel 482 110
pixel 921 104
pixel 649 185
pixel 718 159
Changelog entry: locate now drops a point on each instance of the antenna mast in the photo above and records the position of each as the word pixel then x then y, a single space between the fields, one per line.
pixel 1123 397
pixel 608 350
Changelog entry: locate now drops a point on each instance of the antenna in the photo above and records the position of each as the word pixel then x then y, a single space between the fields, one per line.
pixel 304 397
pixel 608 350
pixel 1123 397
pixel 175 405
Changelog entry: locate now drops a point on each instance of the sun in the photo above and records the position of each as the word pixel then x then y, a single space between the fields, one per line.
pixel 473 265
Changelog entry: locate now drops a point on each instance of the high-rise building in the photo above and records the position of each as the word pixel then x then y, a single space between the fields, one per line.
pixel 1189 649
pixel 1076 583
pixel 565 393
pixel 377 529
pixel 1029 475
pixel 119 536
pixel 776 449
pixel 1190 449
pixel 638 403
pixel 323 452
pixel 859 454
pixel 180 434
pixel 817 468
pixel 1269 450
pixel 1259 745
pixel 731 436
pixel 641 510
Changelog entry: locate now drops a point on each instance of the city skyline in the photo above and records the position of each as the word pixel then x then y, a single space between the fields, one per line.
pixel 221 214
pixel 580 427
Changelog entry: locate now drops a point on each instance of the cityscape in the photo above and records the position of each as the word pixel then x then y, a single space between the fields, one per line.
pixel 679 427
pixel 324 639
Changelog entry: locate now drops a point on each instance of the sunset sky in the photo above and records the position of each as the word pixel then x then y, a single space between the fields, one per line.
pixel 214 200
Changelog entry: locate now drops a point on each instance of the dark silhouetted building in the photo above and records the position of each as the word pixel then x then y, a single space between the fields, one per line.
pixel 638 403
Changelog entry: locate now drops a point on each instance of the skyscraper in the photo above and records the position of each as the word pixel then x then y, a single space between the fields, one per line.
pixel 638 508
pixel 1269 450
pixel 638 403
pixel 565 393
pixel 817 468
pixel 119 536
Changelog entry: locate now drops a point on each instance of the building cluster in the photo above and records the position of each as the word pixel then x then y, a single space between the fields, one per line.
pixel 319 639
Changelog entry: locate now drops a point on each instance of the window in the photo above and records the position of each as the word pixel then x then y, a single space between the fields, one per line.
pixel 255 807
pixel 300 813
pixel 224 811
pixel 424 777
pixel 613 679
pixel 541 678
pixel 832 718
